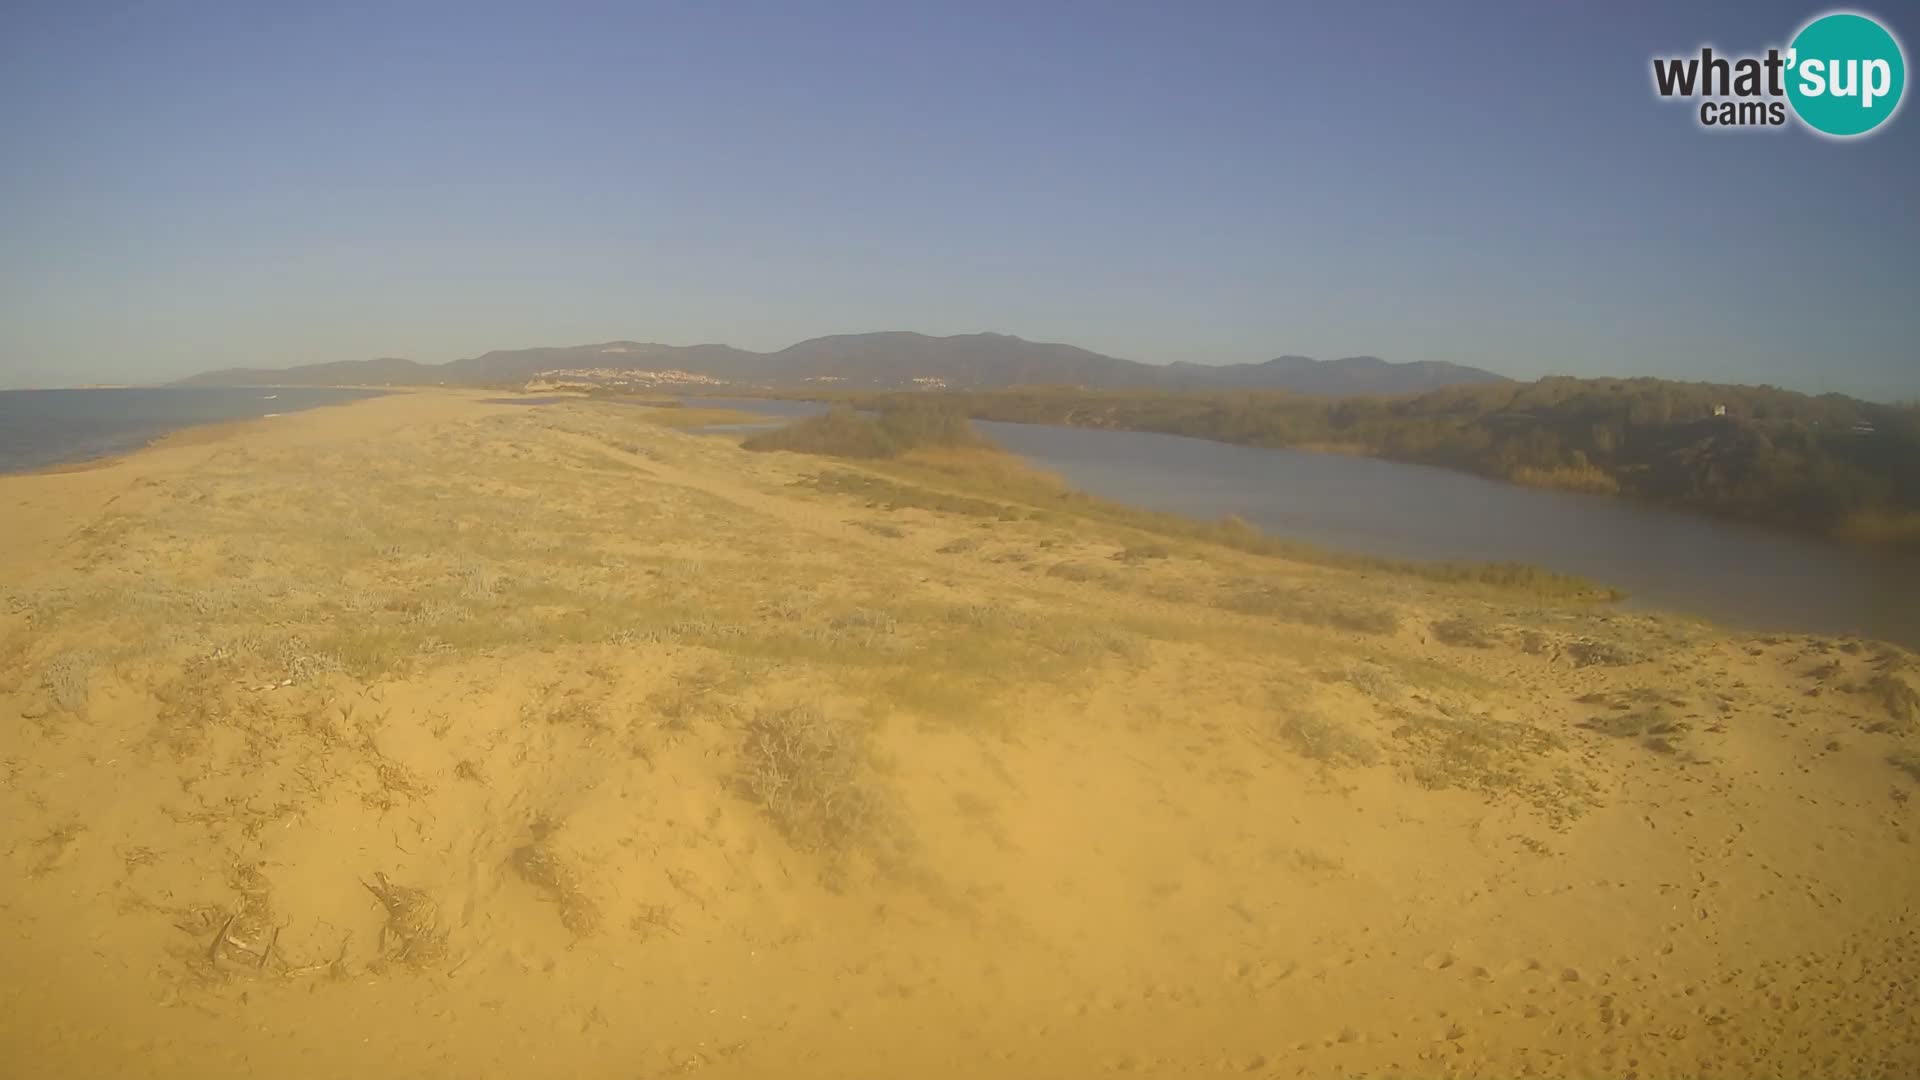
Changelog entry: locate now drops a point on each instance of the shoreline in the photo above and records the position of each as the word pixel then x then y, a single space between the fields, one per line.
pixel 1623 601
pixel 190 435
pixel 211 431
pixel 1631 566
pixel 187 434
pixel 1849 532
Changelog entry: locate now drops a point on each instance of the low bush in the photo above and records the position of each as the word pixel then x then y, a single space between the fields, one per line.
pixel 810 774
pixel 842 432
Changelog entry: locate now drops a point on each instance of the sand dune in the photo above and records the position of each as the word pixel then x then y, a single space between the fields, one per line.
pixel 431 737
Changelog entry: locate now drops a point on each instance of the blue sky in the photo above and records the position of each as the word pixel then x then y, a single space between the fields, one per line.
pixel 189 186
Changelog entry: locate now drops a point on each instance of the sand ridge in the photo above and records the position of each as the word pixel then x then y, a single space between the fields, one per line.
pixel 447 738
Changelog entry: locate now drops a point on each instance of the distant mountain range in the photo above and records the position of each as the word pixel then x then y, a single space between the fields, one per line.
pixel 870 361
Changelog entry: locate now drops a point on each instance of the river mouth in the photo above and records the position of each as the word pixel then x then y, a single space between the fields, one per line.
pixel 1740 575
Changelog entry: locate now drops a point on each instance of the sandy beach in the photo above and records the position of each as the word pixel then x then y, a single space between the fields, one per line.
pixel 424 736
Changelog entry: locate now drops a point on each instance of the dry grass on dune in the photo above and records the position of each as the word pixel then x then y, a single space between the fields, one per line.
pixel 447 738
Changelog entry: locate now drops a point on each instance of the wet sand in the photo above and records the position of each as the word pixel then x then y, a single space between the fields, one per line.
pixel 429 737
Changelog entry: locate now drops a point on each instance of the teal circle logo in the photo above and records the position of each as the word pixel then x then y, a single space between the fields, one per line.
pixel 1845 74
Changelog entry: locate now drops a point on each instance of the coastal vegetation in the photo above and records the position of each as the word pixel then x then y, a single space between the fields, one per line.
pixel 900 427
pixel 1830 464
pixel 928 456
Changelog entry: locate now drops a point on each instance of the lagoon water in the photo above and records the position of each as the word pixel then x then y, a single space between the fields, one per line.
pixel 1733 573
pixel 39 428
